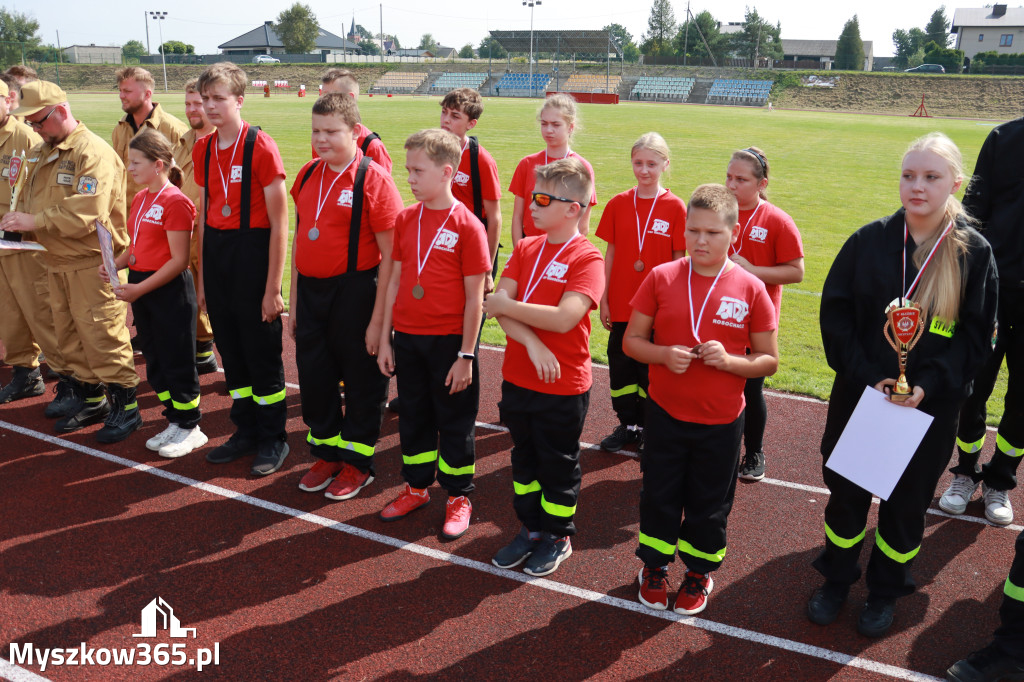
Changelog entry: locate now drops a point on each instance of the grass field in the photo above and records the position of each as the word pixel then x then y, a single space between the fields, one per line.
pixel 831 172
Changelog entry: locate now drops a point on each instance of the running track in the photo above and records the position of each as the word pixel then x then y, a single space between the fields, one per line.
pixel 295 587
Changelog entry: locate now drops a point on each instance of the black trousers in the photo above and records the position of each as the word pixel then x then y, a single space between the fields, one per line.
pixel 332 316
pixel 437 430
pixel 627 380
pixel 167 315
pixel 901 518
pixel 755 415
pixel 546 473
pixel 689 473
pixel 1009 635
pixel 235 266
pixel 1001 471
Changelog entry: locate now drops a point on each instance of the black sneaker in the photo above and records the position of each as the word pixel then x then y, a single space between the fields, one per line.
pixel 620 438
pixel 124 418
pixel 92 408
pixel 548 555
pixel 752 467
pixel 238 446
pixel 65 401
pixel 270 456
pixel 206 361
pixel 26 382
pixel 517 551
pixel 393 405
pixel 987 665
pixel 877 616
pixel 823 606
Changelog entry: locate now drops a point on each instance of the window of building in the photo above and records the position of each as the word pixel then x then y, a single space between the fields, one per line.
pixel 1006 40
pixel 981 37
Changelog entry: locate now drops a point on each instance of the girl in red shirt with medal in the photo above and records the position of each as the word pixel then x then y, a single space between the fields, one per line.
pixel 161 290
pixel 923 259
pixel 644 228
pixel 558 121
pixel 769 248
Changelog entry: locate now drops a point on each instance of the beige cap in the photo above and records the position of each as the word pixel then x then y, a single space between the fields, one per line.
pixel 37 95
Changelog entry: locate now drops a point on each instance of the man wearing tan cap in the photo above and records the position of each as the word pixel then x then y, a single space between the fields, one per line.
pixel 74 179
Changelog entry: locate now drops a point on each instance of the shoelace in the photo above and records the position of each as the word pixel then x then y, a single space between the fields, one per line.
pixel 750 460
pixel 693 583
pixel 656 578
pixel 964 487
pixel 993 496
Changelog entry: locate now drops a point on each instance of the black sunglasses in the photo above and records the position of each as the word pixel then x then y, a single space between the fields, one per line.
pixel 543 199
pixel 39 124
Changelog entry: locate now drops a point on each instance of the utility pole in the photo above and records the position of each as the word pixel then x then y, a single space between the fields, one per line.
pixel 146 16
pixel 686 37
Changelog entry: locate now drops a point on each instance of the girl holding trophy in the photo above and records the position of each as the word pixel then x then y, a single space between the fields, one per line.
pixel 908 308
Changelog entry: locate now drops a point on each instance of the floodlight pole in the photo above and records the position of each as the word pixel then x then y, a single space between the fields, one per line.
pixel 530 4
pixel 159 17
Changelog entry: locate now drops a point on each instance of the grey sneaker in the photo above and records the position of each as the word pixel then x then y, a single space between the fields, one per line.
pixel 752 467
pixel 550 553
pixel 958 494
pixel 998 509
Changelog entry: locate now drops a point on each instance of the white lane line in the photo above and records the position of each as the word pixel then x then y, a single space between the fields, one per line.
pixel 13 673
pixel 543 583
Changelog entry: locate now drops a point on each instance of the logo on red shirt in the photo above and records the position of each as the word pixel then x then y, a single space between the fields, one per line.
pixel 155 213
pixel 345 198
pixel 461 179
pixel 236 174
pixel 732 312
pixel 446 241
pixel 660 227
pixel 758 234
pixel 556 272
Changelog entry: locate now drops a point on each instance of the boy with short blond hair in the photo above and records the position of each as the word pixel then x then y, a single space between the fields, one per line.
pixel 543 301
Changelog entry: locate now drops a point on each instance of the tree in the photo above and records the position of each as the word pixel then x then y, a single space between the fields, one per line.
pixel 850 48
pixel 630 52
pixel 363 33
pixel 369 46
pixel 177 47
pixel 133 49
pixel 428 43
pixel 689 41
pixel 952 60
pixel 17 28
pixel 297 29
pixel 937 30
pixel 491 49
pixel 909 47
pixel 466 52
pixel 758 39
pixel 661 28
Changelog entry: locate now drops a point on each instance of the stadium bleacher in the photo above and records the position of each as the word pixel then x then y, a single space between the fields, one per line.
pixel 586 82
pixel 450 81
pixel 662 89
pixel 518 84
pixel 729 91
pixel 399 81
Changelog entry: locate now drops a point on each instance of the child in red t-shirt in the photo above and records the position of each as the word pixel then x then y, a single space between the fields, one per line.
pixel 543 301
pixel 705 312
pixel 162 294
pixel 440 248
pixel 644 228
pixel 769 248
pixel 342 238
pixel 369 142
pixel 558 118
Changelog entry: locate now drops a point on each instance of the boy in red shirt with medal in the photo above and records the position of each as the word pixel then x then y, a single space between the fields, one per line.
pixel 346 206
pixel 440 248
pixel 543 301
pixel 705 312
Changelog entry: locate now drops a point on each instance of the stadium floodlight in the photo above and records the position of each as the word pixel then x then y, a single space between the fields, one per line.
pixel 158 16
pixel 530 4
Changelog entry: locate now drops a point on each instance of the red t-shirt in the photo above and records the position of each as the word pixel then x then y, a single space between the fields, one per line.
pixel 770 238
pixel 579 268
pixel 737 308
pixel 150 217
pixel 266 166
pixel 523 181
pixel 327 255
pixel 376 151
pixel 460 250
pixel 490 186
pixel 665 233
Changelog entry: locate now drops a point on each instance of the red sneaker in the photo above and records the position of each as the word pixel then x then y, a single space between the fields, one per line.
pixel 348 483
pixel 409 501
pixel 320 476
pixel 693 594
pixel 654 588
pixel 456 517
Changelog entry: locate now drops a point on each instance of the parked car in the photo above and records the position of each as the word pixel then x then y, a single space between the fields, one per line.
pixel 265 59
pixel 927 68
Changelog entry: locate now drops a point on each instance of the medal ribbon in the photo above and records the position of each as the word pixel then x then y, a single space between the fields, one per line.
pixel 641 236
pixel 141 213
pixel 216 153
pixel 547 160
pixel 320 204
pixel 743 232
pixel 420 264
pixel 906 233
pixel 531 286
pixel 689 292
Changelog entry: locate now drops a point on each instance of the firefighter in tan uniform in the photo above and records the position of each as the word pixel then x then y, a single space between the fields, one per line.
pixel 75 178
pixel 26 323
pixel 199 126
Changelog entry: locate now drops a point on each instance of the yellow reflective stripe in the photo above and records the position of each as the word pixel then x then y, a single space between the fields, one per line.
pixel 642 392
pixel 163 396
pixel 1012 591
pixel 352 446
pixel 269 399
pixel 452 471
pixel 190 405
pixel 204 354
pixel 1006 448
pixel 245 392
pixel 333 440
pixel 888 551
pixel 942 327
pixel 95 399
pixel 422 458
pixel 843 542
pixel 625 390
pixel 131 406
pixel 976 446
pixel 687 548
pixel 526 488
pixel 556 509
pixel 660 546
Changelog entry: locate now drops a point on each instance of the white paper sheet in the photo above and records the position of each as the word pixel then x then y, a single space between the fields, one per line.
pixel 21 246
pixel 878 442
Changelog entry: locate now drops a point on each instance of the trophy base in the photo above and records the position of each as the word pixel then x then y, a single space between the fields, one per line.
pixel 899 397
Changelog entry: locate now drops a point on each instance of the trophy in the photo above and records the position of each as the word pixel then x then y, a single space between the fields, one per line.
pixel 902 330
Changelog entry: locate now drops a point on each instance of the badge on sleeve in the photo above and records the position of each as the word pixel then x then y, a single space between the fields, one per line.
pixel 87 185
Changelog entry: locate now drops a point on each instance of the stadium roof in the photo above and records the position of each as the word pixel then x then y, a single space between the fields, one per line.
pixel 565 42
pixel 265 37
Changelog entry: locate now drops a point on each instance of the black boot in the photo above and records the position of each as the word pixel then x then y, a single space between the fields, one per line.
pixel 206 361
pixel 26 383
pixel 66 402
pixel 877 616
pixel 124 416
pixel 90 407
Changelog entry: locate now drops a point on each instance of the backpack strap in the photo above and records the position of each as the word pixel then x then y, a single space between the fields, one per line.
pixel 357 215
pixel 206 183
pixel 365 146
pixel 302 183
pixel 246 199
pixel 474 177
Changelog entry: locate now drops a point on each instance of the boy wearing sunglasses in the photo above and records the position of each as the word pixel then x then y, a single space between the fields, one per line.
pixel 543 301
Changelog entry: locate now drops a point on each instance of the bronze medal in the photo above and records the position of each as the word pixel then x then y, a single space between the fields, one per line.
pixel 418 292
pixel 131 259
pixel 226 211
pixel 638 265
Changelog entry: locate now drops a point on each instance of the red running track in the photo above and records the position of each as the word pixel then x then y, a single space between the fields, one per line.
pixel 291 586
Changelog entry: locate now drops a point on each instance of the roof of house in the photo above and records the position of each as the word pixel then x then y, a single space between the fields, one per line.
pixel 264 37
pixel 983 16
pixel 817 48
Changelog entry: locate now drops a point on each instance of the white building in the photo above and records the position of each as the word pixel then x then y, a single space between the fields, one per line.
pixel 92 54
pixel 997 28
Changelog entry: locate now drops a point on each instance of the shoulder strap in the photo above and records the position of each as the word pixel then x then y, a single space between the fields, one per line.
pixel 246 199
pixel 302 183
pixel 357 215
pixel 206 182
pixel 365 146
pixel 474 177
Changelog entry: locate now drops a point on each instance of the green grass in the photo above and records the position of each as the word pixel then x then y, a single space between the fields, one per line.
pixel 832 172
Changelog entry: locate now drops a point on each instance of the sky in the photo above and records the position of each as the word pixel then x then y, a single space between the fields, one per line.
pixel 207 24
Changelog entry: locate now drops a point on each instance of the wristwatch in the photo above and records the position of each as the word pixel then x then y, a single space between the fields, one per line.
pixel 466 356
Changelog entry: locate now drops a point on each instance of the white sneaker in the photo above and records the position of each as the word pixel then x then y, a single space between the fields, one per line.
pixel 958 494
pixel 165 436
pixel 184 442
pixel 998 509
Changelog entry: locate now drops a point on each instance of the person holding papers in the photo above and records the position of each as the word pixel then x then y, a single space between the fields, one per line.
pixel 925 257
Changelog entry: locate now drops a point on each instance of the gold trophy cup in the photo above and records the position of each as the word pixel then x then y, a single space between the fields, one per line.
pixel 902 330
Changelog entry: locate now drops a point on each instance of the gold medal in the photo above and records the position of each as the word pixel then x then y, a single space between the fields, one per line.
pixel 638 265
pixel 226 211
pixel 418 292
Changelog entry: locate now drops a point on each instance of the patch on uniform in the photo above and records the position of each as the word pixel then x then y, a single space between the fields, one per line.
pixel 942 327
pixel 87 185
pixel 65 179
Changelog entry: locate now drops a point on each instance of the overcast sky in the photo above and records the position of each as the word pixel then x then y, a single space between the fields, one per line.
pixel 206 23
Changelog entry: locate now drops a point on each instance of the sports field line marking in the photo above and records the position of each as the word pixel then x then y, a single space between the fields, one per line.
pixel 543 583
pixel 14 673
